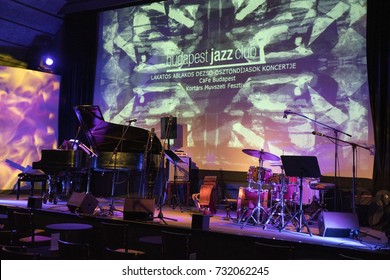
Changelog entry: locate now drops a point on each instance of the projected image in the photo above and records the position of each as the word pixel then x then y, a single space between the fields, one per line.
pixel 29 121
pixel 228 70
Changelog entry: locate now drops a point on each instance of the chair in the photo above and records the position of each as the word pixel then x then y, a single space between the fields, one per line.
pixel 116 238
pixel 265 251
pixel 116 235
pixel 73 251
pixel 25 230
pixel 176 246
pixel 322 188
pixel 7 237
pixel 18 253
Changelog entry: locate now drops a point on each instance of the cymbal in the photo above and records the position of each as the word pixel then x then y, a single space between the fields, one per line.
pixel 261 154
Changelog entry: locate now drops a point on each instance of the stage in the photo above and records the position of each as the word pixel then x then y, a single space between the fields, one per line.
pixel 222 237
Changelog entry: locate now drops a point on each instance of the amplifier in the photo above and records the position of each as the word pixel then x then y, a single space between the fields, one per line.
pixel 182 172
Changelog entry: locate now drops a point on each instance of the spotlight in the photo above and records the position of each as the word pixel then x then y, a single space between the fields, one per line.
pixel 46 64
pixel 49 61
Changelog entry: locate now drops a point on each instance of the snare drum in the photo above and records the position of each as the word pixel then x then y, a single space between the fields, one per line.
pixel 290 192
pixel 247 200
pixel 259 174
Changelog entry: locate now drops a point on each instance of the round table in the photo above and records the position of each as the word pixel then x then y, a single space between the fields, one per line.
pixel 71 232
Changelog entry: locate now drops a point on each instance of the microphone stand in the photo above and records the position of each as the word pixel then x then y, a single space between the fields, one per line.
pixel 115 171
pixel 148 147
pixel 163 190
pixel 354 147
pixel 336 140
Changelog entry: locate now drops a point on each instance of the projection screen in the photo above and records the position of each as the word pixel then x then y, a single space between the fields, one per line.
pixel 230 70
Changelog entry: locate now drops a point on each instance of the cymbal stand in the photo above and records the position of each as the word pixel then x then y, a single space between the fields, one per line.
pixel 299 215
pixel 280 206
pixel 164 190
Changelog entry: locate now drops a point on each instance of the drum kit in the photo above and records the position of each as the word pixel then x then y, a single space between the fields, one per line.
pixel 276 197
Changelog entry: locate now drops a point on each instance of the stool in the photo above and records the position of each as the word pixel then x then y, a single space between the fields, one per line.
pixel 32 178
pixel 321 187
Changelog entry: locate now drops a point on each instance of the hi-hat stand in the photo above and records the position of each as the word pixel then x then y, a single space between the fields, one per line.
pixel 279 208
pixel 256 214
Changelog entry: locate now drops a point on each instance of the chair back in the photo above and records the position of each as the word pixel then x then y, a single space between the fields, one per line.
pixel 18 253
pixel 175 246
pixel 73 251
pixel 116 235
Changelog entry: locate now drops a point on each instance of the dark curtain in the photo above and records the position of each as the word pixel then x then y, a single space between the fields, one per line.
pixel 378 63
pixel 78 74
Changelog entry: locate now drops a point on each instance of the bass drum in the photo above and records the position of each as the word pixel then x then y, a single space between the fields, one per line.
pixel 247 200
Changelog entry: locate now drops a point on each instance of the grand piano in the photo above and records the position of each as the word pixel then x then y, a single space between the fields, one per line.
pixel 113 147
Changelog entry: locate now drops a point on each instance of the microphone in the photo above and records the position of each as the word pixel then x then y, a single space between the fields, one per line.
pixel 151 136
pixel 285 113
pixel 131 120
pixel 317 133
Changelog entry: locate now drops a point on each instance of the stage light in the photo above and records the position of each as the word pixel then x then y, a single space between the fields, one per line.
pixel 47 64
pixel 49 61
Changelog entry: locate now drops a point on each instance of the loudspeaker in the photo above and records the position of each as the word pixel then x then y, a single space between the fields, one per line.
pixel 338 224
pixel 182 170
pixel 82 203
pixel 200 221
pixel 173 130
pixel 138 209
pixel 34 202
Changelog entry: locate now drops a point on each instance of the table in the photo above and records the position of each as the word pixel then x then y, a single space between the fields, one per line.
pixel 71 232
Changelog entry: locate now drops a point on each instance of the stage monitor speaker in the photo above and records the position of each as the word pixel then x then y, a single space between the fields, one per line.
pixel 338 224
pixel 164 124
pixel 34 202
pixel 82 203
pixel 138 209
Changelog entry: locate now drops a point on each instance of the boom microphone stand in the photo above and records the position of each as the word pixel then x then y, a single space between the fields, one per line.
pixel 336 132
pixel 354 146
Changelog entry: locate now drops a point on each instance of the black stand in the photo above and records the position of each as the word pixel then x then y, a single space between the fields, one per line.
pixel 115 172
pixel 258 219
pixel 163 190
pixel 175 159
pixel 354 146
pixel 279 206
pixel 336 144
pixel 300 166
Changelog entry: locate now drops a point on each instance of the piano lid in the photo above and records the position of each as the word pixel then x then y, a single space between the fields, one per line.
pixel 104 136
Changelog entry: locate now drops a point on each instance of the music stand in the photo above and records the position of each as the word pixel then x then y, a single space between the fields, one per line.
pixel 175 159
pixel 300 166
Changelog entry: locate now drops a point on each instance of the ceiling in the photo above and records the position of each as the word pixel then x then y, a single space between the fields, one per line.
pixel 29 27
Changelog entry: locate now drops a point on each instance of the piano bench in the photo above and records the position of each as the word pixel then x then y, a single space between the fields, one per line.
pixel 32 178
